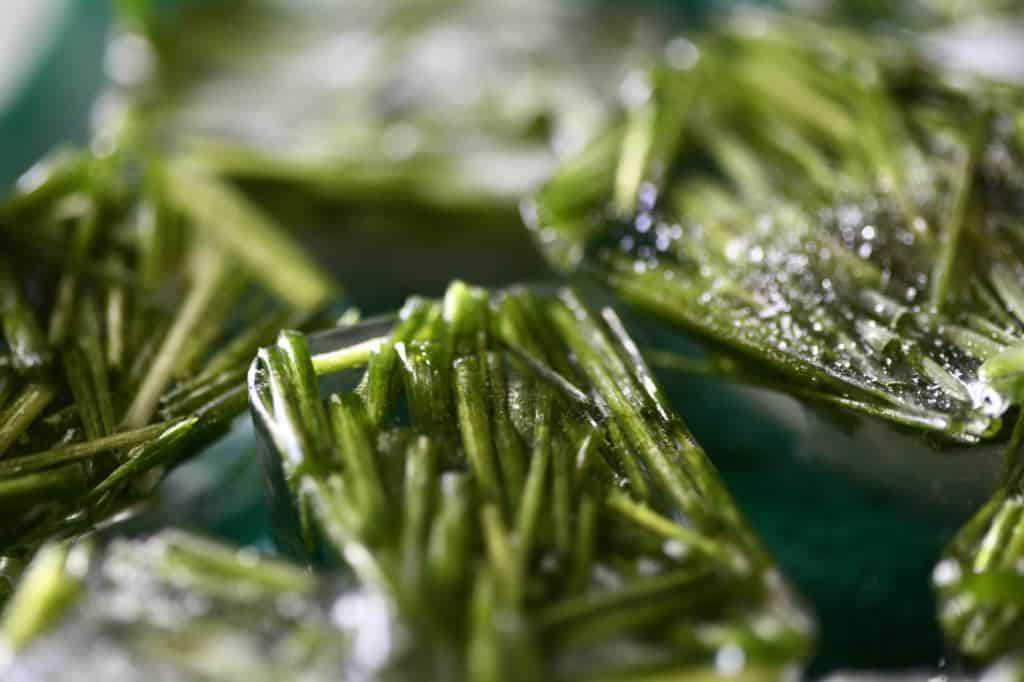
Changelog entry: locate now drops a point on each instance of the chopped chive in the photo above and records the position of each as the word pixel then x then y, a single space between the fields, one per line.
pixel 380 371
pixel 75 451
pixel 88 339
pixel 115 314
pixel 945 263
pixel 240 349
pixel 211 564
pixel 208 268
pixel 46 589
pixel 211 327
pixel 297 359
pixel 26 406
pixel 241 230
pixel 561 497
pixel 474 425
pixel 643 590
pixel 353 356
pixel 510 452
pixel 449 541
pixel 67 481
pixel 8 385
pixel 420 473
pixel 30 351
pixel 583 547
pixel 353 432
pixel 499 551
pixel 158 452
pixel 638 433
pixel 532 503
pixel 79 380
pixel 185 403
pixel 85 230
pixel 425 378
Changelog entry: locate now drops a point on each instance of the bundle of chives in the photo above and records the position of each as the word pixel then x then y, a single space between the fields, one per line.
pixel 509 474
pixel 133 293
pixel 257 91
pixel 172 606
pixel 839 221
pixel 828 209
pixel 980 580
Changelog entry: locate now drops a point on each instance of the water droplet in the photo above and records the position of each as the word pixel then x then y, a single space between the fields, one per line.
pixel 946 572
pixel 681 53
pixel 730 659
pixel 635 89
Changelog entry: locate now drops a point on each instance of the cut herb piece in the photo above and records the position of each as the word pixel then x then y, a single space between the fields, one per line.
pixel 217 91
pixel 243 232
pixel 979 580
pixel 152 361
pixel 832 210
pixel 497 549
pixel 30 352
pixel 45 591
pixel 177 607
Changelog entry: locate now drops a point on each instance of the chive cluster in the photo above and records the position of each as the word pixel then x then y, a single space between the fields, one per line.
pixel 827 209
pixel 838 220
pixel 257 90
pixel 980 579
pixel 509 473
pixel 173 606
pixel 133 294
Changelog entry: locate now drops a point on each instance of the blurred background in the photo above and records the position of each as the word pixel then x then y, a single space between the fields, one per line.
pixel 861 554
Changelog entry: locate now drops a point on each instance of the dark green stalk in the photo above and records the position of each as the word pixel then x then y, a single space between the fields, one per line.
pixel 189 402
pixel 561 495
pixel 945 263
pixel 583 548
pixel 303 378
pixel 66 482
pixel 353 433
pixel 78 378
pixel 449 542
pixel 23 410
pixel 159 452
pixel 241 230
pixel 88 339
pixel 240 350
pixel 507 444
pixel 208 268
pixel 378 386
pixel 425 378
pixel 84 234
pixel 8 385
pixel 116 313
pixel 214 321
pixel 30 352
pixel 420 476
pixel 579 609
pixel 474 425
pixel 76 451
pixel 593 363
pixel 532 502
